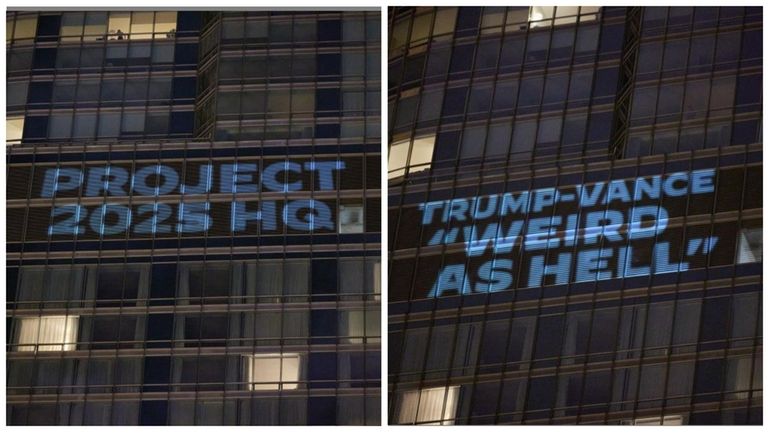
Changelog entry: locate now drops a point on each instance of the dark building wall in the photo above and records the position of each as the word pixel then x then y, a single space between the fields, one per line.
pixel 520 288
pixel 156 280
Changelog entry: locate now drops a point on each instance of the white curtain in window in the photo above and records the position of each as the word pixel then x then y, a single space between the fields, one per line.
pixel 376 281
pixel 351 276
pixel 656 420
pixel 351 219
pixel 750 246
pixel 269 280
pixel 296 280
pixel 431 406
pixel 738 378
pixel 273 371
pixel 47 333
pixel 351 324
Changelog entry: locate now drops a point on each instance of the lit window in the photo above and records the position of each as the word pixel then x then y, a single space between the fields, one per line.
pixel 95 26
pixel 165 24
pixel 351 218
pixel 656 420
pixel 141 25
pixel 422 152
pixel 14 129
pixel 422 155
pixel 431 406
pixel 71 26
pixel 47 333
pixel 119 25
pixel 546 16
pixel 25 29
pixel 739 378
pixel 360 326
pixel 750 245
pixel 399 152
pixel 273 371
pixel 377 272
pixel 566 15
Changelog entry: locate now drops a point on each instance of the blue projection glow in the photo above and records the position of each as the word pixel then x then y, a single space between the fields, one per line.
pixel 192 215
pixel 615 230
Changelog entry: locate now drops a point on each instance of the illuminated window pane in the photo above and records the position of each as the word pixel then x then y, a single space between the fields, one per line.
pixel 14 128
pixel 399 152
pixel 165 24
pixel 540 16
pixel 445 21
pixel 119 25
pixel 422 151
pixel 271 371
pixel 517 19
pixel 738 378
pixel 430 406
pixel 141 25
pixel 351 218
pixel 47 333
pixel 25 29
pixel 376 270
pixel 96 26
pixel 421 28
pixel 566 15
pixel 666 420
pixel 72 25
pixel 750 245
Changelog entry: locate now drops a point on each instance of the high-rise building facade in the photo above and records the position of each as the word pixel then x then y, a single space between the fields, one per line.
pixel 575 215
pixel 193 217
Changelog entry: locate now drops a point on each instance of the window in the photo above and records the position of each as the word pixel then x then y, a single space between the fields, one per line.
pixel 46 333
pixel 362 326
pixel 422 151
pixel 141 25
pixel 119 25
pixel 268 280
pixel 351 218
pixel 96 26
pixel 750 245
pixel 399 152
pixel 71 26
pixel 165 24
pixel 208 283
pixel 445 21
pixel 738 383
pixel 430 406
pixel 26 27
pixel 272 371
pixel 543 16
pixel 14 129
pixel 376 288
pixel 656 420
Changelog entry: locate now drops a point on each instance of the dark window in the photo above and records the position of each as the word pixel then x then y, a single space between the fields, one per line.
pixel 186 54
pixel 207 327
pixel 454 101
pixel 39 92
pixel 117 284
pixel 715 315
pixel 542 391
pixel 329 30
pixel 462 58
pixel 44 58
pixel 324 276
pixel 549 336
pixel 211 281
pixel 153 412
pixel 329 64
